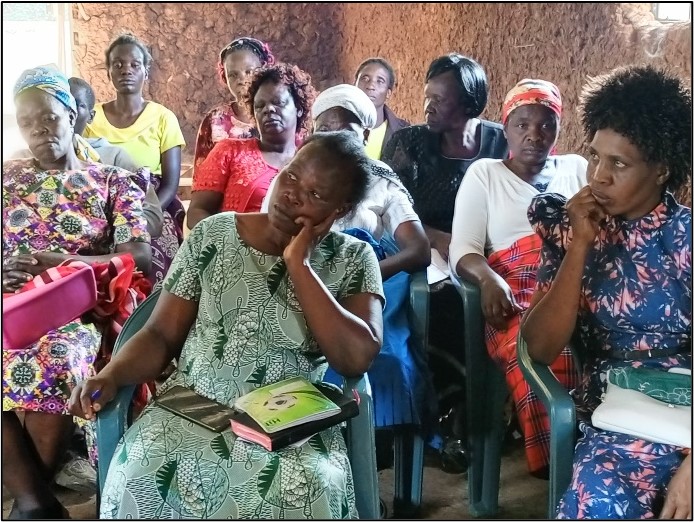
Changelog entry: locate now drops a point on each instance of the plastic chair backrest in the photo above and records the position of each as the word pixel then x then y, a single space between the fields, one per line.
pixel 114 419
pixel 418 311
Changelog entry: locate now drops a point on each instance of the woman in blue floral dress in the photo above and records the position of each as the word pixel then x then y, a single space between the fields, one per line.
pixel 251 299
pixel 616 270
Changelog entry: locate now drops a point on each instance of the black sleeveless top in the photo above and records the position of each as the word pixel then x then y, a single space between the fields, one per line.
pixel 414 153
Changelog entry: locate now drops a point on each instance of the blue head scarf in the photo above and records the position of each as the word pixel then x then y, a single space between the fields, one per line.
pixel 49 80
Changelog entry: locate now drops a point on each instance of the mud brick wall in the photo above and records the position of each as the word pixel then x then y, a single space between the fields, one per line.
pixel 561 42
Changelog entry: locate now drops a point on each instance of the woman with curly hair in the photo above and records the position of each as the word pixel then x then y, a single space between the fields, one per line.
pixel 237 173
pixel 616 275
pixel 231 119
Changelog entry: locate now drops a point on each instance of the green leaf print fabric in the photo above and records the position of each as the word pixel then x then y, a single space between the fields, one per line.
pixel 249 331
pixel 670 387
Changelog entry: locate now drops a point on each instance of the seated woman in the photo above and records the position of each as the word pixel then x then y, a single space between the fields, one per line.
pixel 376 77
pixel 616 273
pixel 399 377
pixel 256 298
pixel 431 161
pixel 150 134
pixel 110 154
pixel 237 173
pixel 494 246
pixel 56 207
pixel 232 119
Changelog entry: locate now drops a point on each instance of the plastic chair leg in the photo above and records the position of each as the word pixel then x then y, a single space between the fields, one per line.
pixel 409 471
pixel 486 393
pixel 363 460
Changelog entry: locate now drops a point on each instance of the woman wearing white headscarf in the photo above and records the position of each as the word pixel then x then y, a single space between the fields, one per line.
pixel 386 213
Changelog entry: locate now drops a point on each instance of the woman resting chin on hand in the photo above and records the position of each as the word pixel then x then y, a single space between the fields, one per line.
pixel 251 299
pixel 616 259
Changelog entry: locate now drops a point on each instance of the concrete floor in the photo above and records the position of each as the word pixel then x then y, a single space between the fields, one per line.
pixel 444 497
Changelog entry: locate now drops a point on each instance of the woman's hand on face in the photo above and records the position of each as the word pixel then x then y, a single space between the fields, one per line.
pixel 18 271
pixel 300 247
pixel 498 304
pixel 585 216
pixel 678 501
pixel 90 395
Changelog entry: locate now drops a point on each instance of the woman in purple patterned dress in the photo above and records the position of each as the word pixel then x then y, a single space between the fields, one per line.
pixel 55 207
pixel 616 271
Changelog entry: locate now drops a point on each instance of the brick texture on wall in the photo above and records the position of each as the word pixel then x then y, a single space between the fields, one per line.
pixel 561 42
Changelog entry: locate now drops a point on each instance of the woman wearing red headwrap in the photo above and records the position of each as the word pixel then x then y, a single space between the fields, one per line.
pixel 494 246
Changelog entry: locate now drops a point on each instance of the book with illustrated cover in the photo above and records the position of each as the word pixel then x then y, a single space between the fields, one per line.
pixel 285 404
pixel 293 410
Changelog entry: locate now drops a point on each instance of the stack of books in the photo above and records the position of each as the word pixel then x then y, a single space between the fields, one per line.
pixel 290 411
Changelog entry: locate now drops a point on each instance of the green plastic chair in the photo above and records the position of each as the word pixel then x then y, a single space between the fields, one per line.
pixel 408 463
pixel 486 393
pixel 562 420
pixel 116 416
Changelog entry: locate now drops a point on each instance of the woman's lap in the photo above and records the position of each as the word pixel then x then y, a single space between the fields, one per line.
pixel 40 378
pixel 167 467
pixel 618 476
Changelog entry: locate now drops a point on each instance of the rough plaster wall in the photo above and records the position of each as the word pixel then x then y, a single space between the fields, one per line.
pixel 561 42
pixel 185 39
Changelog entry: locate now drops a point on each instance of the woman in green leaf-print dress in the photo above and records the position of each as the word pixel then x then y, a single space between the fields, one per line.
pixel 252 299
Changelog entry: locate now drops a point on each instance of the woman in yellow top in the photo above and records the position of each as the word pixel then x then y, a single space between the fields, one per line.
pixel 376 77
pixel 151 135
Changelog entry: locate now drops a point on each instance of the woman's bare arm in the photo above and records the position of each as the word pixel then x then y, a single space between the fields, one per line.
pixel 170 175
pixel 203 203
pixel 414 250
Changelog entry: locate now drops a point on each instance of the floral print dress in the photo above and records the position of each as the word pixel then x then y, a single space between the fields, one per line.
pixel 89 211
pixel 217 125
pixel 637 295
pixel 249 331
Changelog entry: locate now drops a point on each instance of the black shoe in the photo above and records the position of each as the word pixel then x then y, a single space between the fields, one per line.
pixel 383 509
pixel 453 457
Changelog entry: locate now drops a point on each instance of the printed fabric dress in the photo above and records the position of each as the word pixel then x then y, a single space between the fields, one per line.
pixel 238 170
pixel 637 295
pixel 88 211
pixel 249 331
pixel 217 125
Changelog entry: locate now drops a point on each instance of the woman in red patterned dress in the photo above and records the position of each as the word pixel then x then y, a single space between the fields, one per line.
pixel 237 172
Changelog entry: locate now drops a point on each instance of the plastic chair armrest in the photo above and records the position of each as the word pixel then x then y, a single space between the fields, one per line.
pixel 111 423
pixel 418 312
pixel 361 449
pixel 562 419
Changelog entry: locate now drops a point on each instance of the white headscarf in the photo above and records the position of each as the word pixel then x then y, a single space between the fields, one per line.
pixel 350 98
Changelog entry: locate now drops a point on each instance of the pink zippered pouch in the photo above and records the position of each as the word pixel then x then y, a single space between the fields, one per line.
pixel 29 315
